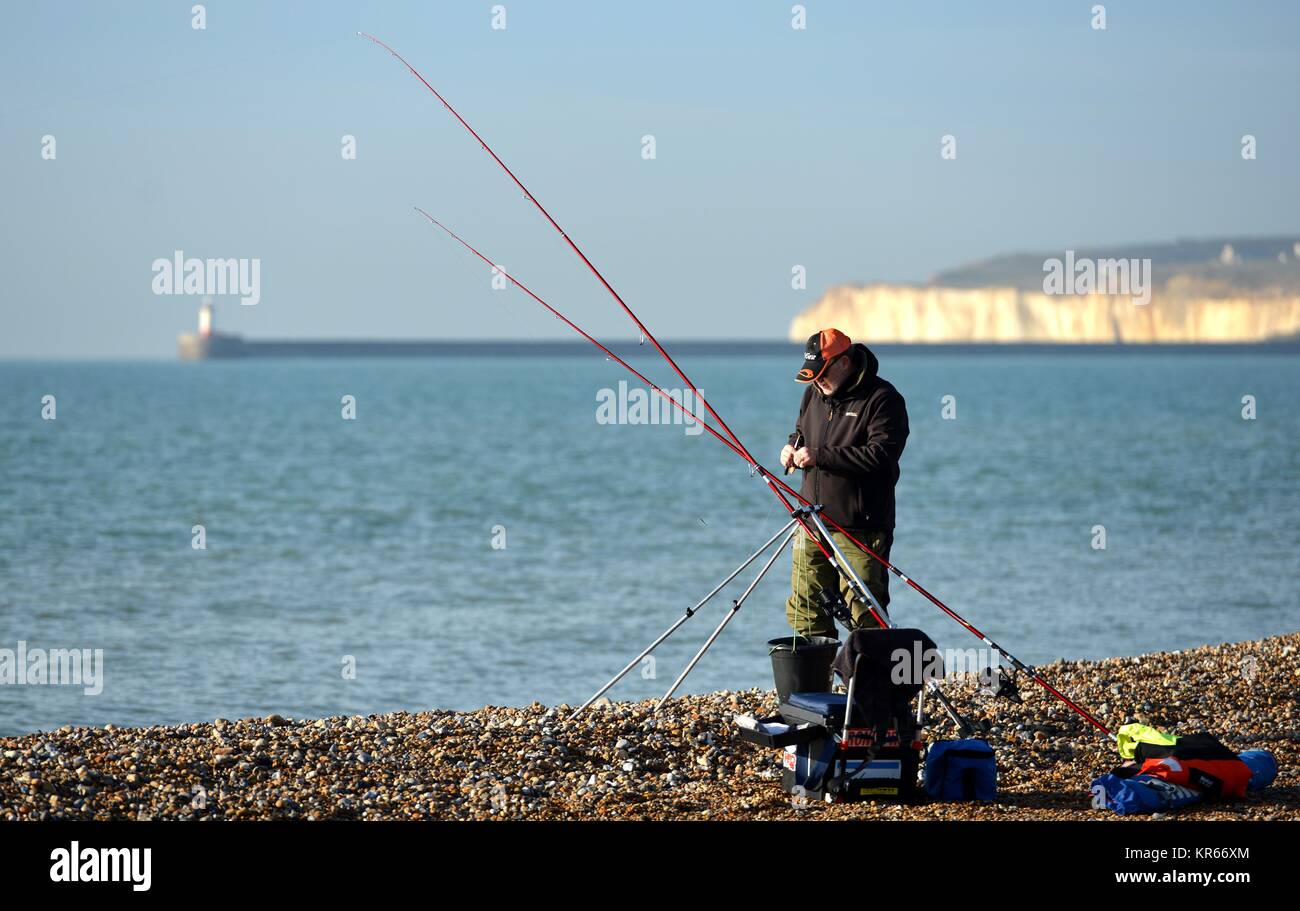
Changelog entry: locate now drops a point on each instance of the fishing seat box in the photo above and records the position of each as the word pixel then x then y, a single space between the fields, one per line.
pixel 879 755
pixel 817 767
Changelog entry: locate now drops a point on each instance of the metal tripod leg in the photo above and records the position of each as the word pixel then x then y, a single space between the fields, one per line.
pixel 735 606
pixel 690 612
pixel 865 593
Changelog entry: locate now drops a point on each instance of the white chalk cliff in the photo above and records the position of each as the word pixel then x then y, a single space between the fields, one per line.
pixel 927 313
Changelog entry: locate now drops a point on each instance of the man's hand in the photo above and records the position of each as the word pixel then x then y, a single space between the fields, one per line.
pixel 787 456
pixel 805 458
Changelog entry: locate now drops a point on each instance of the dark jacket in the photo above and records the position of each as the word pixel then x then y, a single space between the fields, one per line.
pixel 857 436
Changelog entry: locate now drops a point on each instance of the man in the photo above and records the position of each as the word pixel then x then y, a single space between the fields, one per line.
pixel 850 434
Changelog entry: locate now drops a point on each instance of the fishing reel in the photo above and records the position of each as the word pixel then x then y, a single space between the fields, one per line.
pixel 1003 686
pixel 832 602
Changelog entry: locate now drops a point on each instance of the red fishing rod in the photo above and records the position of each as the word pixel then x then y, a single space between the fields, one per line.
pixel 772 479
pixel 774 483
pixel 738 446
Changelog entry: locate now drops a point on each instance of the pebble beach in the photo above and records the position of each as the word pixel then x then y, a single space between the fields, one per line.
pixel 618 761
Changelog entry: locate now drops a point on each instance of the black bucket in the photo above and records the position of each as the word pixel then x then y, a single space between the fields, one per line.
pixel 801 664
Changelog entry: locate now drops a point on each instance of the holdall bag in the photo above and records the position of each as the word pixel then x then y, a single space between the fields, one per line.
pixel 961 770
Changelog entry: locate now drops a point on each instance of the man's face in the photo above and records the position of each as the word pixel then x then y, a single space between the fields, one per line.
pixel 834 375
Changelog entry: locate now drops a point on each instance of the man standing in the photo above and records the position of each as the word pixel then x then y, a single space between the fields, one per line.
pixel 850 434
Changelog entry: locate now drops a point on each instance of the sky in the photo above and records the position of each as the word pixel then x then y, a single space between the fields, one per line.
pixel 774 147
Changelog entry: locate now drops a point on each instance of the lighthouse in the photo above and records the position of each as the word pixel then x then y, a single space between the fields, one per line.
pixel 208 342
pixel 205 319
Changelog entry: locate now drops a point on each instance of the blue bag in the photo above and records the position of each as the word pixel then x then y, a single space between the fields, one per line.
pixel 961 770
pixel 1140 794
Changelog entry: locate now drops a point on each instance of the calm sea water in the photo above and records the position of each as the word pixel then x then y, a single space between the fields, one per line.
pixel 373 538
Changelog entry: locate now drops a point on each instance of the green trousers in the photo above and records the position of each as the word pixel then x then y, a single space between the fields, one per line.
pixel 811 572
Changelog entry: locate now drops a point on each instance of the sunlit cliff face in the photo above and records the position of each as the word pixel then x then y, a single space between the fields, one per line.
pixel 901 313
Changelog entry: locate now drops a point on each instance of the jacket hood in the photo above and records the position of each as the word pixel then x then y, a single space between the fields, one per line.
pixel 869 360
pixel 868 365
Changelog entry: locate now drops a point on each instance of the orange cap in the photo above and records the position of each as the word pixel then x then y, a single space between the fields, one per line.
pixel 821 350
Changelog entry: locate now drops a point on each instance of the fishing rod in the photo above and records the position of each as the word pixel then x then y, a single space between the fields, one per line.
pixel 645 332
pixel 775 484
pixel 735 444
pixel 771 480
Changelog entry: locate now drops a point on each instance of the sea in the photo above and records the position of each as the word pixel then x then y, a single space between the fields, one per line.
pixel 318 537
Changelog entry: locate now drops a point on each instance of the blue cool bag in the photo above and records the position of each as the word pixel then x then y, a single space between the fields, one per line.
pixel 961 770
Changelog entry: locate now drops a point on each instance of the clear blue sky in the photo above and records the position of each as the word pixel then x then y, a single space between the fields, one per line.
pixel 775 147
